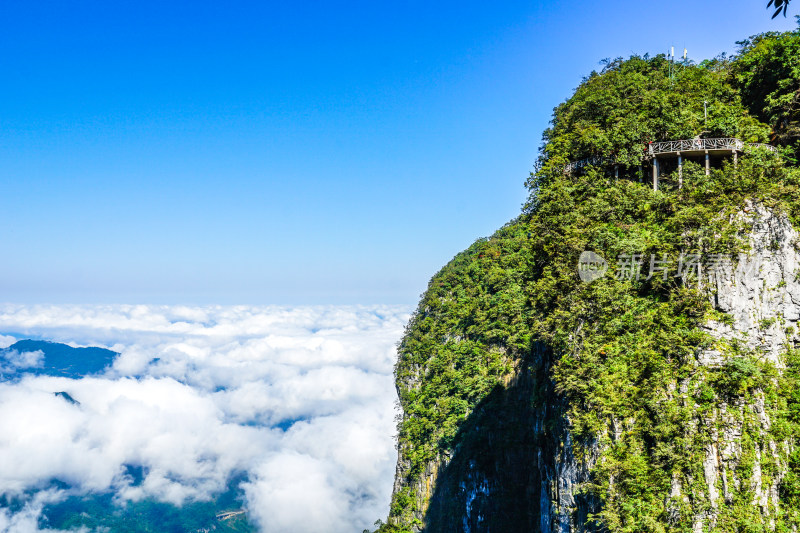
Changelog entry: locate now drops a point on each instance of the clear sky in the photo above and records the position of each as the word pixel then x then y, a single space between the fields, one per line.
pixel 289 152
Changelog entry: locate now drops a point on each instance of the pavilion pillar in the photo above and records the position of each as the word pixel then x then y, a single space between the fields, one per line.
pixel 708 164
pixel 655 173
pixel 735 159
pixel 641 174
pixel 616 172
pixel 680 171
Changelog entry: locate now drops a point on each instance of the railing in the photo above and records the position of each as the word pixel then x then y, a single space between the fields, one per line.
pixel 668 147
pixel 688 145
pixel 685 145
pixel 569 168
pixel 762 145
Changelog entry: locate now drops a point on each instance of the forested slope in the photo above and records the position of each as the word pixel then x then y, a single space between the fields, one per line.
pixel 661 401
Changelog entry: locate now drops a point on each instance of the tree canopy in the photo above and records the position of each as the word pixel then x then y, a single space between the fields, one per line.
pixel 767 73
pixel 615 113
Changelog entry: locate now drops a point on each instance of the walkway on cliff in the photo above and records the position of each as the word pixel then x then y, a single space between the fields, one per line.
pixel 658 151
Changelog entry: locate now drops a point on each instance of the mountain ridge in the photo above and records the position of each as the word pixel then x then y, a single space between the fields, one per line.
pixel 60 359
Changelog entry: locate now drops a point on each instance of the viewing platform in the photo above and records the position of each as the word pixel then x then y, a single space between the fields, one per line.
pixel 658 152
pixel 697 147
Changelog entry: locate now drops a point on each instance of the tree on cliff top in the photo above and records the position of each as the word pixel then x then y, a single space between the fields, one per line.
pixel 767 73
pixel 614 114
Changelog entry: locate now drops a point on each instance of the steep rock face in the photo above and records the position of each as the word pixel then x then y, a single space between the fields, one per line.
pixel 514 465
pixel 760 295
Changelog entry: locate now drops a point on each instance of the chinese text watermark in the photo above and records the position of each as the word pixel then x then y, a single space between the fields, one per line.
pixel 634 267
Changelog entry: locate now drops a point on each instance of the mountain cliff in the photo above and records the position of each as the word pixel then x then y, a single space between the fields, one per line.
pixel 662 393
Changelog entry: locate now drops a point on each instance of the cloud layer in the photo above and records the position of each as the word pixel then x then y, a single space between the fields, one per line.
pixel 301 399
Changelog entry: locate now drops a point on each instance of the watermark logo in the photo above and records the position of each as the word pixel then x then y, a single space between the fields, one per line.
pixel 716 268
pixel 591 266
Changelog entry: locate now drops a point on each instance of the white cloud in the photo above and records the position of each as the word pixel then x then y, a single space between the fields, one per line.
pixel 299 398
pixel 299 493
pixel 26 519
pixel 14 359
pixel 6 341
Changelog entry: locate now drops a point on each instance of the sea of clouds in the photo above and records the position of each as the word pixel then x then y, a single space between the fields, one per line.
pixel 300 399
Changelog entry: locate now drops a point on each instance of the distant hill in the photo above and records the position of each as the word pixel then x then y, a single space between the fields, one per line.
pixel 59 359
pixel 101 512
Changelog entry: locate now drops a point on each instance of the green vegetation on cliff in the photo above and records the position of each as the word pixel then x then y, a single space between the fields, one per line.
pixel 617 112
pixel 767 73
pixel 641 410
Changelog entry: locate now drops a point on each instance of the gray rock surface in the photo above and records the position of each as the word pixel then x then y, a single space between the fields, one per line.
pixel 760 293
pixel 759 290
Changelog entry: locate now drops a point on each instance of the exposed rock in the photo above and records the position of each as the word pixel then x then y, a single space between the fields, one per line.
pixel 761 294
pixel 523 463
pixel 761 291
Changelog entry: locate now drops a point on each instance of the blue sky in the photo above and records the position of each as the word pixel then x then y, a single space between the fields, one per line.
pixel 289 153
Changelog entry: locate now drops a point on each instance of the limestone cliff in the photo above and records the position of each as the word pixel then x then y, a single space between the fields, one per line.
pixel 760 296
pixel 663 396
pixel 514 466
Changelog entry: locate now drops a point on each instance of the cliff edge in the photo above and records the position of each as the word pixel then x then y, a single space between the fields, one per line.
pixel 659 393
